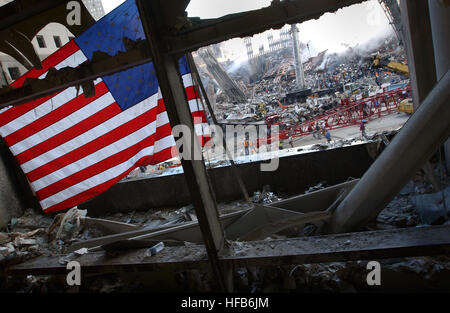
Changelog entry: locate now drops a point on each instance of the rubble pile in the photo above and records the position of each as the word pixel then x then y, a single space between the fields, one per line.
pixel 403 274
pixel 265 196
pixel 24 238
pixel 411 274
pixel 269 82
pixel 416 205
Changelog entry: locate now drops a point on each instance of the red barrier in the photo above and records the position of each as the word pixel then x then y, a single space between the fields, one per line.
pixel 368 108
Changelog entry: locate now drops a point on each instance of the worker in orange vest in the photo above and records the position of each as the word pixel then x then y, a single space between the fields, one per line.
pixel 247 146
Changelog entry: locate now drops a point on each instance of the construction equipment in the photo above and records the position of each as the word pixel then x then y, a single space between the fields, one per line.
pixel 368 108
pixel 397 67
pixel 406 106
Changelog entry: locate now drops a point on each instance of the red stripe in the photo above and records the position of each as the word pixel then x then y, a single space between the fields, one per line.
pixel 99 167
pixel 207 141
pixel 201 115
pixel 96 144
pixel 192 93
pixel 56 115
pixel 163 155
pixel 161 131
pixel 161 106
pixel 88 194
pixel 51 61
pixel 204 140
pixel 70 133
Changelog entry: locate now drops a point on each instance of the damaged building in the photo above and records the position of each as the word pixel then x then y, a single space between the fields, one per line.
pixel 347 170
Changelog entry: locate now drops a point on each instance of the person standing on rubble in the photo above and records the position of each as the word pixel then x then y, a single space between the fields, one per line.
pixel 247 146
pixel 323 129
pixel 291 141
pixel 328 136
pixel 317 132
pixel 311 130
pixel 362 128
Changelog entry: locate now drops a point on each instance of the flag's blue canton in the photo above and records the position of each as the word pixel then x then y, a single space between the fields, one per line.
pixel 135 84
pixel 184 66
pixel 106 35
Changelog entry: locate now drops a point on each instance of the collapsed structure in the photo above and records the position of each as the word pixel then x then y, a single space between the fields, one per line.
pixel 230 239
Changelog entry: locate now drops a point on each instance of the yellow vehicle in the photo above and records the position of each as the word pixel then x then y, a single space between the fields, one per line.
pixel 391 65
pixel 406 106
pixel 262 108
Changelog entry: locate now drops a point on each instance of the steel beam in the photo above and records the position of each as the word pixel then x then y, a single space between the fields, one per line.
pixel 198 80
pixel 440 24
pixel 67 77
pixel 177 107
pixel 421 136
pixel 187 232
pixel 249 23
pixel 404 242
pixel 208 32
pixel 419 47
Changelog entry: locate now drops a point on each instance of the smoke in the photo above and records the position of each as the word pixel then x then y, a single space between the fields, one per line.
pixel 322 66
pixel 374 42
pixel 237 63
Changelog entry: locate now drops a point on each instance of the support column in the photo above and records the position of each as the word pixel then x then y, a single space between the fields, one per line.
pixel 177 107
pixel 416 32
pixel 440 27
pixel 419 47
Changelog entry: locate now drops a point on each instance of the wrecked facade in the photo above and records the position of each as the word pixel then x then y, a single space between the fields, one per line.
pixel 310 226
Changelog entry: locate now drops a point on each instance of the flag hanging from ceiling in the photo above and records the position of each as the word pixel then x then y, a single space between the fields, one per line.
pixel 73 148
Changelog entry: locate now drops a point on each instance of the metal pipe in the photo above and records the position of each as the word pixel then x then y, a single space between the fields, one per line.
pixel 421 136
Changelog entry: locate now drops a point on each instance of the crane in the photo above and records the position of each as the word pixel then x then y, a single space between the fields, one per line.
pixel 391 65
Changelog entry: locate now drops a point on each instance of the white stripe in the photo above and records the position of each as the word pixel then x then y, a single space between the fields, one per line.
pixel 198 129
pixel 71 61
pixel 95 180
pixel 206 130
pixel 98 156
pixel 41 110
pixel 92 134
pixel 104 176
pixel 64 124
pixel 5 109
pixel 202 129
pixel 167 141
pixel 164 143
pixel 187 80
pixel 194 105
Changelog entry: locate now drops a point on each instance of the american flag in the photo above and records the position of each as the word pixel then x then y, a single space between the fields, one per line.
pixel 72 148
